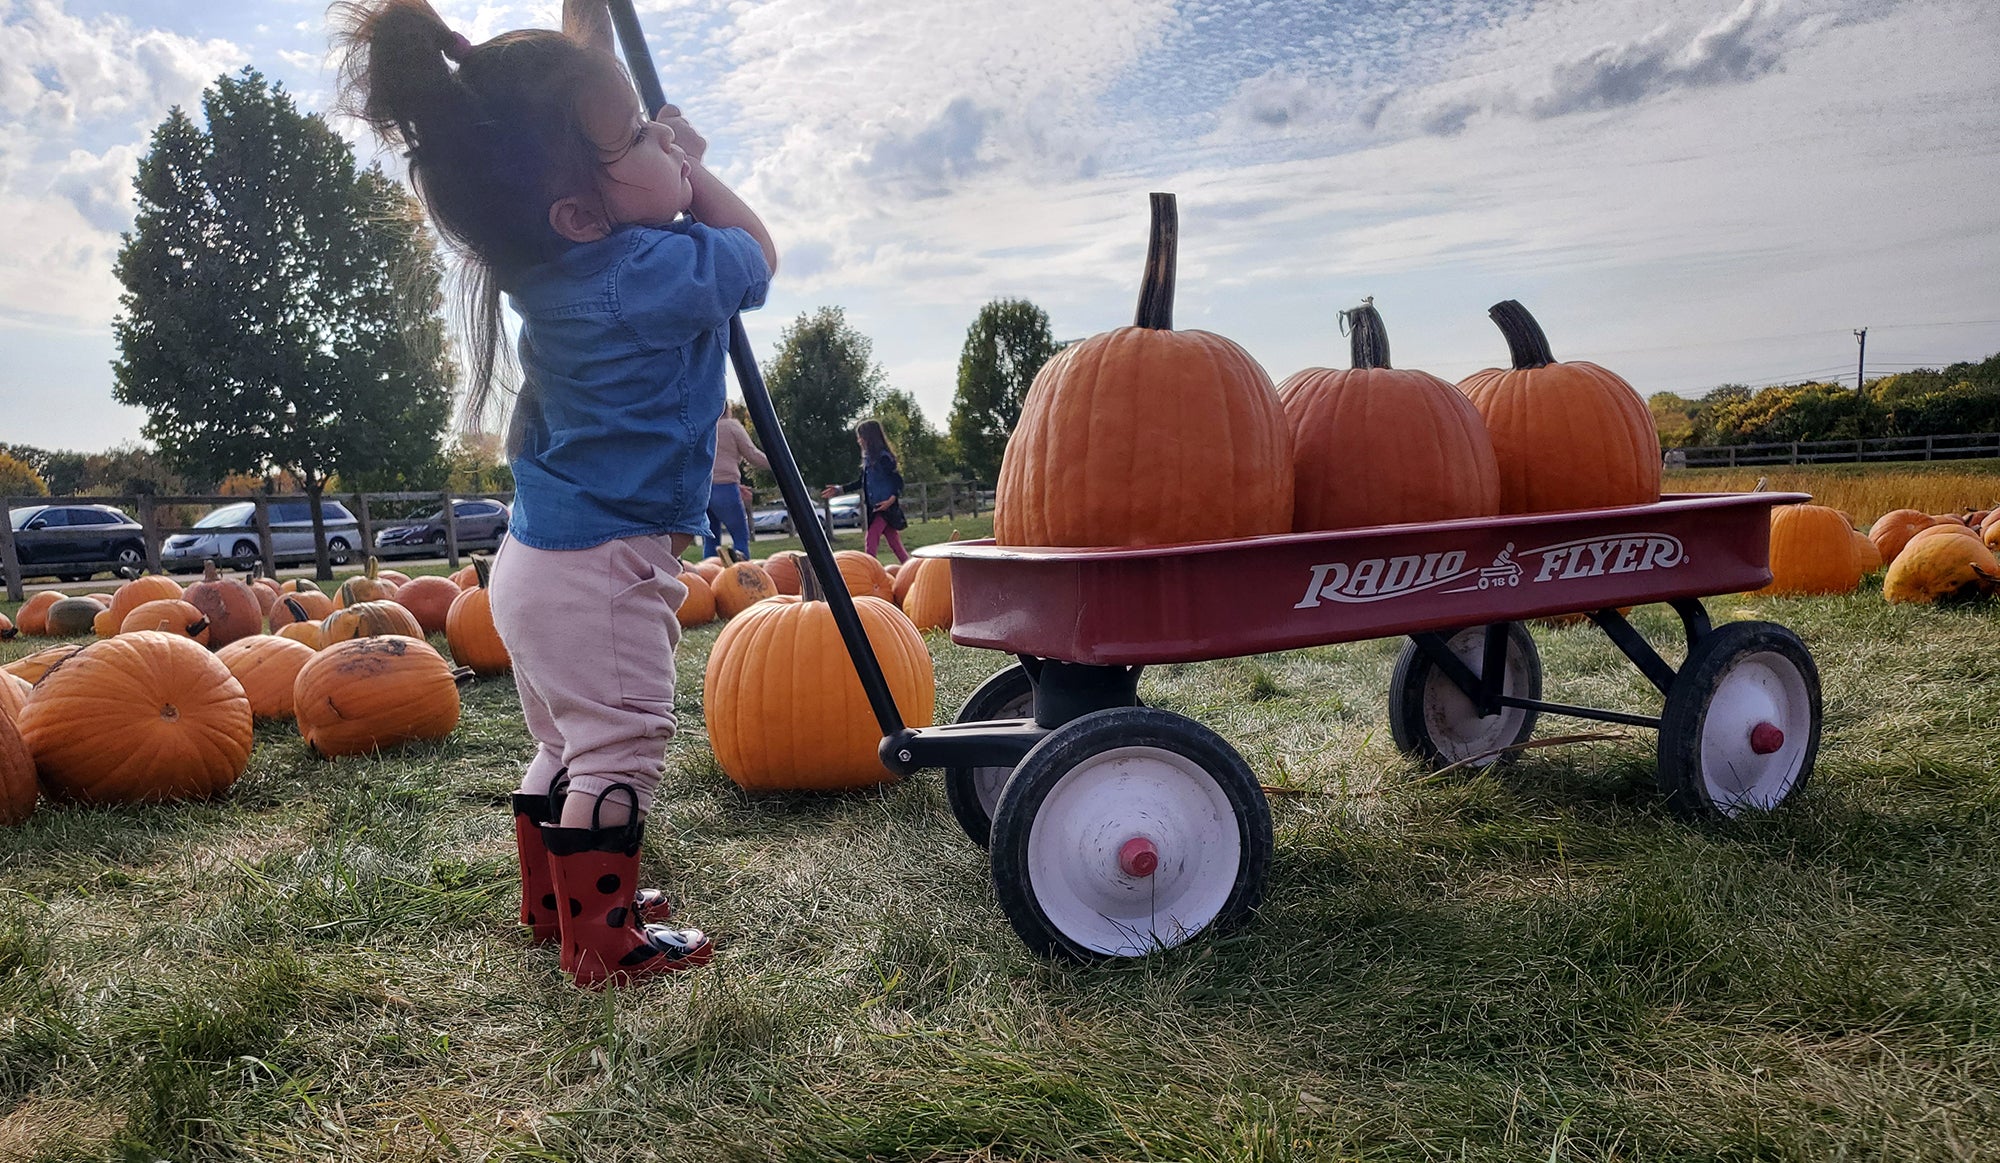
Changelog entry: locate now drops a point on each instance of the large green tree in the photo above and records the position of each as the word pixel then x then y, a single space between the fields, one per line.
pixel 281 308
pixel 1006 345
pixel 821 380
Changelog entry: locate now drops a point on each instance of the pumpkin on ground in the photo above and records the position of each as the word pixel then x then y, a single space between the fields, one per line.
pixel 32 667
pixel 429 598
pixel 927 604
pixel 1893 530
pixel 365 694
pixel 1867 558
pixel 1373 445
pixel 300 585
pixel 232 610
pixel 784 569
pixel 18 787
pixel 1566 435
pixel 367 620
pixel 467 575
pixel 369 586
pixel 72 617
pixel 395 577
pixel 1812 552
pixel 709 568
pixel 141 717
pixel 13 695
pixel 33 616
pixel 864 574
pixel 267 666
pixel 699 608
pixel 302 606
pixel 469 629
pixel 151 587
pixel 784 708
pixel 1942 529
pixel 7 628
pixel 103 600
pixel 1938 569
pixel 105 624
pixel 168 614
pixel 304 633
pixel 740 585
pixel 1145 435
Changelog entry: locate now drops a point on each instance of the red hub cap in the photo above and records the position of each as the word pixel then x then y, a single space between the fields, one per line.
pixel 1138 857
pixel 1766 738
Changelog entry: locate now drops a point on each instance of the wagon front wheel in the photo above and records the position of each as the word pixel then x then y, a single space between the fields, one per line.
pixel 1127 831
pixel 972 792
pixel 1435 722
pixel 1741 726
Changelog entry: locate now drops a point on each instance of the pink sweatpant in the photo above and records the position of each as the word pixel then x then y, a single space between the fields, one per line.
pixel 592 635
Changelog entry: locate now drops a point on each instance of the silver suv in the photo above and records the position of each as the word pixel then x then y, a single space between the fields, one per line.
pixel 230 534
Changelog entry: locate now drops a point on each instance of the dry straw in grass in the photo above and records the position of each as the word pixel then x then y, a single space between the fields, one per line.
pixel 1863 492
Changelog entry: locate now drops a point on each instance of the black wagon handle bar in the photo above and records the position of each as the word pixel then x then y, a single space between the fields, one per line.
pixel 805 518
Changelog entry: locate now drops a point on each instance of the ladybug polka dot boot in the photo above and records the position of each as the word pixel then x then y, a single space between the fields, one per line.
pixel 604 942
pixel 538 892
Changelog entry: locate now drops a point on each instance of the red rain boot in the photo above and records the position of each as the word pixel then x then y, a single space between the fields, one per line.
pixel 603 940
pixel 538 893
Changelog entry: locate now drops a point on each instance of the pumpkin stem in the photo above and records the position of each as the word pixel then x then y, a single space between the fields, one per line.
pixel 1368 340
pixel 482 571
pixel 1156 290
pixel 1526 344
pixel 297 611
pixel 373 566
pixel 208 573
pixel 809 588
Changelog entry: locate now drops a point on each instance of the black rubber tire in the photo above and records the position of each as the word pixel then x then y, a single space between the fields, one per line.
pixel 1690 698
pixel 1410 685
pixel 243 556
pixel 1001 696
pixel 130 556
pixel 1044 768
pixel 338 552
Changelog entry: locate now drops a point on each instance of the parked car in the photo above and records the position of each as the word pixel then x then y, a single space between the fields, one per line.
pixel 234 536
pixel 776 519
pixel 481 524
pixel 67 533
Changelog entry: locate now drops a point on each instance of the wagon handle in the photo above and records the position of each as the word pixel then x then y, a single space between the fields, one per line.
pixel 819 551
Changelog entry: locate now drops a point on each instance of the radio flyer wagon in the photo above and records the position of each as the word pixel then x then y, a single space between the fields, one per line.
pixel 1116 829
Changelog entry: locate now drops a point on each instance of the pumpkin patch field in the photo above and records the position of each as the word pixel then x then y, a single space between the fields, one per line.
pixel 1535 961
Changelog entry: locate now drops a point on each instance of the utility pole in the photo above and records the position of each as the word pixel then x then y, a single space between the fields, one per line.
pixel 1861 337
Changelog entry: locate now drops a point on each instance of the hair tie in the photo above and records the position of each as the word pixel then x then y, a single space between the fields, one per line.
pixel 457 48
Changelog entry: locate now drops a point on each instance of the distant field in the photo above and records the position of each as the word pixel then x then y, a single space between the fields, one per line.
pixel 1863 491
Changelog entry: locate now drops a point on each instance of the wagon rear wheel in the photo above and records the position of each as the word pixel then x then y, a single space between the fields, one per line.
pixel 1433 721
pixel 972 792
pixel 1741 726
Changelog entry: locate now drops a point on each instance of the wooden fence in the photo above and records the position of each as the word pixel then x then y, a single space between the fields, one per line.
pixel 1962 447
pixel 925 499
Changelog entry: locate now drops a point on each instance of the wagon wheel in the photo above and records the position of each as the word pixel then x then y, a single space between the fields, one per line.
pixel 1742 721
pixel 972 791
pixel 1432 720
pixel 1126 831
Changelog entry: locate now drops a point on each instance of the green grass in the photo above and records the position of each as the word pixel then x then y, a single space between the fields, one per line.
pixel 1537 963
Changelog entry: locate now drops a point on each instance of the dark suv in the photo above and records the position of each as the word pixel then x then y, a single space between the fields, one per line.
pixel 50 538
pixel 480 523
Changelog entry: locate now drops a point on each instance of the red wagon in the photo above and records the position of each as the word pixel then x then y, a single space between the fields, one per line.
pixel 1115 829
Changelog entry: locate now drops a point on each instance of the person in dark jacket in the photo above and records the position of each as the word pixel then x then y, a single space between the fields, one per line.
pixel 881 488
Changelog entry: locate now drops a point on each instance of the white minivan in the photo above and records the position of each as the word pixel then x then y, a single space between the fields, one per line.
pixel 234 539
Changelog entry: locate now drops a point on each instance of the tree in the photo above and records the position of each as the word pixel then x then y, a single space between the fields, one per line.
pixel 1006 345
pixel 19 479
pixel 281 310
pixel 821 380
pixel 920 450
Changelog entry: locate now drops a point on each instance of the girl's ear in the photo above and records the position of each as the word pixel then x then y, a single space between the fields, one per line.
pixel 578 219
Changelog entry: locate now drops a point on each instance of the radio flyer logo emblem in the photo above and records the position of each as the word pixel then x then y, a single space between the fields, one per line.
pixel 1378 579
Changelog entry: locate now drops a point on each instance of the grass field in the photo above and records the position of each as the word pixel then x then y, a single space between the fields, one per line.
pixel 1540 963
pixel 1864 491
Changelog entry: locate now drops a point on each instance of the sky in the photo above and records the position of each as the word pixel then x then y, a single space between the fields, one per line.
pixel 1690 192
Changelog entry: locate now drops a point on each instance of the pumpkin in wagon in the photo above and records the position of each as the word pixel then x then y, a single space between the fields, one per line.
pixel 142 717
pixel 469 630
pixel 1374 445
pixel 365 694
pixel 1566 435
pixel 1144 435
pixel 784 707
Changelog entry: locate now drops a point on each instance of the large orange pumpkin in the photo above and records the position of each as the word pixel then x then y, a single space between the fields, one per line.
pixel 699 608
pixel 169 614
pixel 368 586
pixel 1376 446
pixel 18 788
pixel 232 610
pixel 783 570
pixel 368 693
pixel 14 693
pixel 33 616
pixel 784 708
pixel 32 667
pixel 467 575
pixel 1938 569
pixel 143 716
pixel 267 666
pixel 1867 558
pixel 927 604
pixel 429 598
pixel 105 624
pixel 864 574
pixel 1893 530
pixel 1566 435
pixel 1812 552
pixel 152 587
pixel 740 585
pixel 1941 529
pixel 368 619
pixel 469 629
pixel 1145 435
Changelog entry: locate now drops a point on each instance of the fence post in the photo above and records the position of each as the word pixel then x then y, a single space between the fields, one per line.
pixel 924 500
pixel 149 532
pixel 1930 447
pixel 263 504
pixel 367 531
pixel 951 500
pixel 9 563
pixel 450 532
pixel 1732 456
pixel 1795 452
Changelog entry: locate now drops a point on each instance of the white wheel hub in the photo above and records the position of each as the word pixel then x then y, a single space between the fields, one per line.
pixel 1453 723
pixel 1134 849
pixel 1754 733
